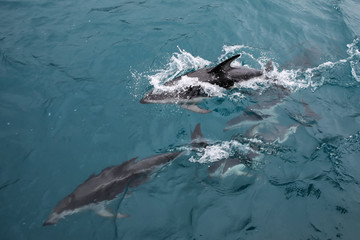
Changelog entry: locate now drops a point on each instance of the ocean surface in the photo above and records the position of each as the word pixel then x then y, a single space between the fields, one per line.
pixel 72 74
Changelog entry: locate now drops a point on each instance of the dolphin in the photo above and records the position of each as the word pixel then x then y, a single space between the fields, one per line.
pixel 271 132
pixel 248 116
pixel 308 118
pixel 107 185
pixel 222 75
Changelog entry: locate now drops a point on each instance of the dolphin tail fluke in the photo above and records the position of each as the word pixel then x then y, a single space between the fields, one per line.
pixel 195 108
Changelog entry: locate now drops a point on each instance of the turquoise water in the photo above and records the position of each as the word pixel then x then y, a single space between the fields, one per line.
pixel 72 74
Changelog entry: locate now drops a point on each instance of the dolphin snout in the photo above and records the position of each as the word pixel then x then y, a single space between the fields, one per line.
pixel 47 223
pixel 52 219
pixel 144 100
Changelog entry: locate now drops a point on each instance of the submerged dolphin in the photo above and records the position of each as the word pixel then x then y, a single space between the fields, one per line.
pixel 271 133
pixel 188 97
pixel 107 185
pixel 308 118
pixel 265 103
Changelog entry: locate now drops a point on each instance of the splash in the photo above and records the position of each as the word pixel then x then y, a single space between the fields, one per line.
pixel 231 50
pixel 354 58
pixel 135 87
pixel 219 151
pixel 236 97
pixel 294 79
pixel 315 77
pixel 182 62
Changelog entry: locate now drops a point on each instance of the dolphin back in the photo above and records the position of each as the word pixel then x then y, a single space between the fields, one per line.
pixel 147 164
pixel 108 184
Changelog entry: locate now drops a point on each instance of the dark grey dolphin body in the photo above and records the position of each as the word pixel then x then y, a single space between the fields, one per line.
pixel 107 185
pixel 222 75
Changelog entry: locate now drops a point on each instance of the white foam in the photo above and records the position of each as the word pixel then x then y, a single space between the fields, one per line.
pixel 354 52
pixel 236 97
pixel 256 83
pixel 219 151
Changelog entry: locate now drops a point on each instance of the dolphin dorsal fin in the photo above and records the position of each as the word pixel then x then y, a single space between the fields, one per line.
pixel 197 134
pixel 225 65
pixel 197 138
